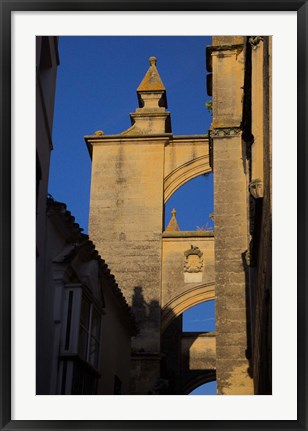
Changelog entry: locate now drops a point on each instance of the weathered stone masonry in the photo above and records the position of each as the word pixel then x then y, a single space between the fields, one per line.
pixel 163 273
pixel 133 175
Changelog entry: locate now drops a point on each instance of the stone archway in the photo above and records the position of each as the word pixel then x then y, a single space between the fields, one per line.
pixel 208 377
pixel 188 358
pixel 184 173
pixel 184 301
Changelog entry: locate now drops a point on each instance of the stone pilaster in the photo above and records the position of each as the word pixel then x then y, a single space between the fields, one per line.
pixel 230 209
pixel 257 121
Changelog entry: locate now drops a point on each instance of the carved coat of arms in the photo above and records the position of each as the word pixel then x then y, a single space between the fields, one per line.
pixel 193 260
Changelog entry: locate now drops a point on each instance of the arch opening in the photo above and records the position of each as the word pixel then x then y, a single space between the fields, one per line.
pixel 194 204
pixel 189 357
pixel 200 318
pixel 181 303
pixel 208 388
pixel 184 173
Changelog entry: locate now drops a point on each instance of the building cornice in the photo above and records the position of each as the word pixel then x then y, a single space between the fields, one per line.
pixel 99 138
pixel 225 132
pixel 182 234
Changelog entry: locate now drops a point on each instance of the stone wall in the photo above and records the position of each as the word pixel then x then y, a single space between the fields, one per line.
pixel 126 220
pixel 47 60
pixel 241 157
pixel 261 222
pixel 176 278
pixel 231 217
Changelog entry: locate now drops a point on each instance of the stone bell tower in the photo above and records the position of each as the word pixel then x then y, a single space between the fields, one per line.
pixel 133 175
pixel 126 215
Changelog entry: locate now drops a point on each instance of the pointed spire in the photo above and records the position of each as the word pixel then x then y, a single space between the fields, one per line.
pixel 151 91
pixel 151 117
pixel 152 81
pixel 173 224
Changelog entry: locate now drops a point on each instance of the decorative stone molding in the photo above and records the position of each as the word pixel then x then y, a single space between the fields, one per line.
pixel 225 132
pixel 256 188
pixel 254 41
pixel 193 260
pixel 99 133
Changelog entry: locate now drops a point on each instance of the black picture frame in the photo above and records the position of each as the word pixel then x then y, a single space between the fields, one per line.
pixel 6 7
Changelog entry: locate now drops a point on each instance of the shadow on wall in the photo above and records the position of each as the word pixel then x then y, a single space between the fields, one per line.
pixel 249 319
pixel 184 366
pixel 147 314
pixel 143 310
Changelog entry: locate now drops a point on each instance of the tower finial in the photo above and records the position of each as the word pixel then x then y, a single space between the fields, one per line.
pixel 153 61
pixel 152 81
pixel 173 224
pixel 151 116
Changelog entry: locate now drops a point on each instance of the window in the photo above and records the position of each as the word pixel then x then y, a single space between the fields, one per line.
pixel 79 363
pixel 89 333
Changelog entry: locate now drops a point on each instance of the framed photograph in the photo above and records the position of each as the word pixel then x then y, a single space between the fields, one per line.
pixel 90 329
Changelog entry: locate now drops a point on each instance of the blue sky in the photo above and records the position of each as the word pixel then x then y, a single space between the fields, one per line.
pixel 96 90
pixel 200 318
pixel 207 389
